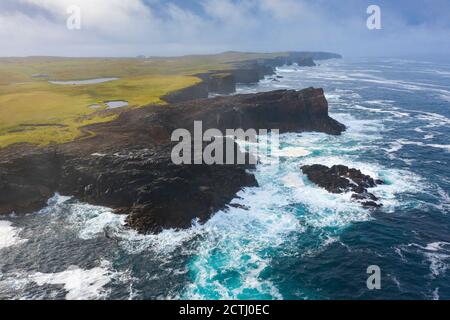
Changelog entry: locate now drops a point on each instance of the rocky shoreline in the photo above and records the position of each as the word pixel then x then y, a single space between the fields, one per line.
pixel 248 72
pixel 127 164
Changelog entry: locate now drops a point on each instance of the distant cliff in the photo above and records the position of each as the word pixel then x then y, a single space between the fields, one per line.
pixel 245 72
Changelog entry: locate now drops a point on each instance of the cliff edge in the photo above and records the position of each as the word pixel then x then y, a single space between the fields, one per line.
pixel 127 164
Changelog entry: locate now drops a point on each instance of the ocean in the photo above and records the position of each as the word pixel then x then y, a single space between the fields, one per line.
pixel 289 239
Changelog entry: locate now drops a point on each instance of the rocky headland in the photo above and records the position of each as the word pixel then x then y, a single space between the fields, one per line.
pixel 127 164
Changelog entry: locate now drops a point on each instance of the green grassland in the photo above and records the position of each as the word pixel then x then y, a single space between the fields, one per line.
pixel 32 110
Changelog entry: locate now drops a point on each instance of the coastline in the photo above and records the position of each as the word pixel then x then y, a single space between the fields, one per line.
pixel 224 82
pixel 287 225
pixel 127 164
pixel 31 175
pixel 42 113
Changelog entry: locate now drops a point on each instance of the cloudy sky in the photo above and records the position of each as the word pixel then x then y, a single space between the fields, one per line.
pixel 175 27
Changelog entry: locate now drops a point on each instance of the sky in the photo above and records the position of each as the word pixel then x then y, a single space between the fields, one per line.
pixel 119 28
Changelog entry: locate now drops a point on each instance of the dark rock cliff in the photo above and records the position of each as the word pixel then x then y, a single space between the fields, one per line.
pixel 197 91
pixel 223 83
pixel 285 110
pixel 127 164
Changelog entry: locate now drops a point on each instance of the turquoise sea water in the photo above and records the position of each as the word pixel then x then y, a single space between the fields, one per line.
pixel 294 240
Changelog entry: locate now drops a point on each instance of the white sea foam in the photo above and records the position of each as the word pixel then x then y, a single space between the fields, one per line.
pixel 441 72
pixel 436 294
pixel 437 246
pixel 444 205
pixel 236 239
pixel 96 154
pixel 433 119
pixel 394 147
pixel 57 199
pixel 161 244
pixel 381 102
pixel 403 142
pixel 77 283
pixel 328 72
pixel 396 114
pixel 80 284
pixel 294 152
pixel 329 210
pixel 92 222
pixel 293 180
pixel 360 129
pixel 9 235
pixel 437 254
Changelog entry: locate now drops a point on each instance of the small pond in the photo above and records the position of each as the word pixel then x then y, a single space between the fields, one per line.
pixel 116 104
pixel 82 82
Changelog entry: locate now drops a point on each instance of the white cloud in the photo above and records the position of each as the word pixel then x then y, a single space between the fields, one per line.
pixel 285 9
pixel 108 17
pixel 132 27
pixel 231 13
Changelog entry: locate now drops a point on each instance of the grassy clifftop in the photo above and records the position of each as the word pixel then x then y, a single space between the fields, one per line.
pixel 33 110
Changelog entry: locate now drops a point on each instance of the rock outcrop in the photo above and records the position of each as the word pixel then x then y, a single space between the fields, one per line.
pixel 154 192
pixel 285 110
pixel 221 83
pixel 341 179
pixel 28 178
pixel 127 164
pixel 197 91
